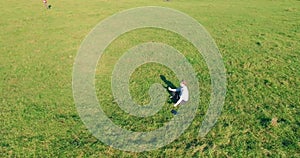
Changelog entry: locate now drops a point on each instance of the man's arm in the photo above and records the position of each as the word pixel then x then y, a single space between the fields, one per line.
pixel 171 89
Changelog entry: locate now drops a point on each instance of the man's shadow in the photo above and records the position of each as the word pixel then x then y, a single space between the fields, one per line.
pixel 174 97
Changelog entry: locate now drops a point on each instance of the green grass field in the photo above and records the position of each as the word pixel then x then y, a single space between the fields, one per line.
pixel 259 42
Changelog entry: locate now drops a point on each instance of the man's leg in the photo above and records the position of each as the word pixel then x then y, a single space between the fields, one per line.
pixel 182 102
pixel 175 96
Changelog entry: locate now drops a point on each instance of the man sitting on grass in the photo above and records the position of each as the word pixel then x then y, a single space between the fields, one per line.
pixel 181 94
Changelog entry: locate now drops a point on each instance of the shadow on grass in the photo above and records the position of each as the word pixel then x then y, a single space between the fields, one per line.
pixel 167 82
pixel 171 85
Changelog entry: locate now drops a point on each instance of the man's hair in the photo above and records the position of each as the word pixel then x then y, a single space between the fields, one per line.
pixel 183 82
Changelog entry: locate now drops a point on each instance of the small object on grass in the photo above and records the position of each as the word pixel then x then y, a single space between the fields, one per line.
pixel 49 6
pixel 174 112
pixel 274 121
pixel 258 43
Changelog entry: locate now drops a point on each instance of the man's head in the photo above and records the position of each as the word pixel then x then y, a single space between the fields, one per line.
pixel 183 83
